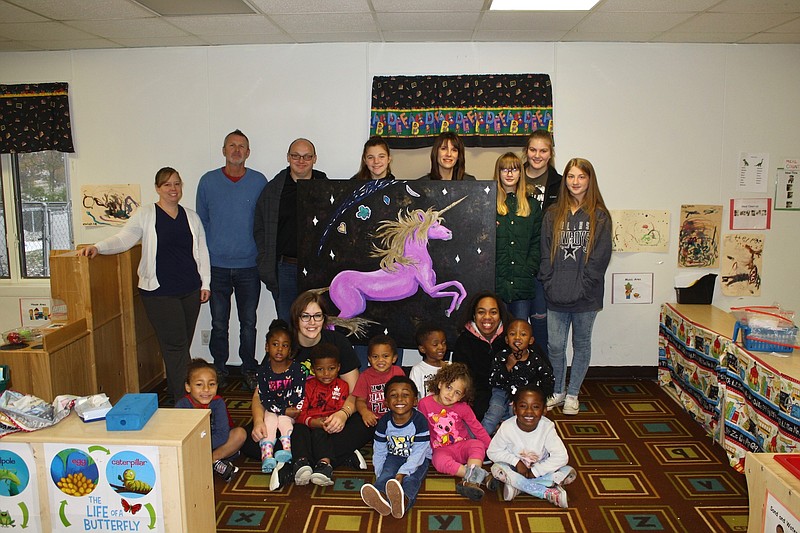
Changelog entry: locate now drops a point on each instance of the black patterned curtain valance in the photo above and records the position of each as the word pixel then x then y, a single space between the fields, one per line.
pixel 485 110
pixel 35 117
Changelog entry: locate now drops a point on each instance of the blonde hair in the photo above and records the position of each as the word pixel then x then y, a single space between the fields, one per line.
pixel 592 203
pixel 511 160
pixel 542 135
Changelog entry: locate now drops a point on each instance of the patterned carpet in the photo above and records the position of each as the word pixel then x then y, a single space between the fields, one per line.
pixel 642 463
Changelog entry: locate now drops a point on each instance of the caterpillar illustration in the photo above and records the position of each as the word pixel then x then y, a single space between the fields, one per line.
pixel 132 484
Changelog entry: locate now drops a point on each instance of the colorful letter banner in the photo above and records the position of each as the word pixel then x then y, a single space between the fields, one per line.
pixel 488 110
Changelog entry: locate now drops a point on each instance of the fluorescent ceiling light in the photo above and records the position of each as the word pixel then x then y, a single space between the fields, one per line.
pixel 542 5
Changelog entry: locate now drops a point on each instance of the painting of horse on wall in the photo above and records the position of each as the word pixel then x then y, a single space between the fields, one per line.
pixel 390 255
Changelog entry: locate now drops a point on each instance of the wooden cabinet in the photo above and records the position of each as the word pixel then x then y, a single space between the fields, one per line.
pixel 103 291
pixel 774 494
pixel 183 438
pixel 62 364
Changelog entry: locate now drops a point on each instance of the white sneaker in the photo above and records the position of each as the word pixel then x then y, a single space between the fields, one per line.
pixel 571 405
pixel 509 492
pixel 555 400
pixel 362 464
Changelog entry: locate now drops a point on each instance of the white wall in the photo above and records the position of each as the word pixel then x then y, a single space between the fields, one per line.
pixel 663 125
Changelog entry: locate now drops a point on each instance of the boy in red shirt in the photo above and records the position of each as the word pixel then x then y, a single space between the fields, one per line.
pixel 326 394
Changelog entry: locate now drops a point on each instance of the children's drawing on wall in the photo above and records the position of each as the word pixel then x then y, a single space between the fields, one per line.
pixel 109 205
pixel 640 231
pixel 391 254
pixel 698 239
pixel 632 288
pixel 741 264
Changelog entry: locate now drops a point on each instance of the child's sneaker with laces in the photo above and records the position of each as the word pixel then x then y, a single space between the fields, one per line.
pixel 565 476
pixel 397 498
pixel 302 471
pixel 557 496
pixel 571 405
pixel 225 469
pixel 323 474
pixel 555 400
pixel 374 499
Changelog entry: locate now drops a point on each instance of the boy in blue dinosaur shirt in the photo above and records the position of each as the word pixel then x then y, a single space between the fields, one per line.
pixel 401 451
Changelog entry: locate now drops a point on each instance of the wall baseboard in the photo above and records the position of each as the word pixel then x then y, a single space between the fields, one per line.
pixel 623 372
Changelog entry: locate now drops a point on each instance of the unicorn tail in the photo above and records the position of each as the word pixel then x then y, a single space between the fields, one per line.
pixel 355 326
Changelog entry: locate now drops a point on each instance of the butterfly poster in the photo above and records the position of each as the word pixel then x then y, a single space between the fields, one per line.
pixel 106 488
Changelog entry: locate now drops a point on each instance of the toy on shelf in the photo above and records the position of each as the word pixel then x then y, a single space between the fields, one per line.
pixel 765 328
pixel 21 337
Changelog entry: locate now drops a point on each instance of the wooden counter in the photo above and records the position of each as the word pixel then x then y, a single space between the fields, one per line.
pixel 183 438
pixel 766 477
pixel 63 364
pixel 748 401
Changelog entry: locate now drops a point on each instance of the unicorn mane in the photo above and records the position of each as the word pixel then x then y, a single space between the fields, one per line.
pixel 394 234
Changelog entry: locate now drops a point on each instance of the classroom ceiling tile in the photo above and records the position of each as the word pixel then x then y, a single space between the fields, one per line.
pixel 733 22
pixel 11 13
pixel 197 7
pixel 530 20
pixel 428 36
pixel 428 21
pixel 519 35
pixel 85 9
pixel 31 31
pixel 76 44
pixel 630 22
pixel 757 6
pixel 699 37
pixel 629 37
pixel 129 29
pixel 416 6
pixel 225 24
pixel 657 6
pixel 270 7
pixel 324 22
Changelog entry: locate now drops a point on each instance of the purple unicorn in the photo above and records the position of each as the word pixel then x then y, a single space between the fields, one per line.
pixel 406 265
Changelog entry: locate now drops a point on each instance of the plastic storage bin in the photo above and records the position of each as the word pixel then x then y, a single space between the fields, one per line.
pixel 766 340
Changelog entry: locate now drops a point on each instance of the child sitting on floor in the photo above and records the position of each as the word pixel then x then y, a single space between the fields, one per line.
pixel 401 451
pixel 369 389
pixel 527 452
pixel 450 420
pixel 432 345
pixel 281 385
pixel 520 362
pixel 325 395
pixel 226 440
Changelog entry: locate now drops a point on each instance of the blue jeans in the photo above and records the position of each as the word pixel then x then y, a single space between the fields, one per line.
pixel 558 325
pixel 411 482
pixel 520 308
pixel 539 316
pixel 498 411
pixel 287 290
pixel 245 284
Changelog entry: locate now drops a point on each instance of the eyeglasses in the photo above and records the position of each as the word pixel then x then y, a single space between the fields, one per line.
pixel 304 157
pixel 508 170
pixel 316 317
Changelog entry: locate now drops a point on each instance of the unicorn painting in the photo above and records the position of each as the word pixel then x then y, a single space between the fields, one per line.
pixel 405 265
pixel 389 255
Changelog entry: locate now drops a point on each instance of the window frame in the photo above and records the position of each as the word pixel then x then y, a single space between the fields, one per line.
pixel 12 203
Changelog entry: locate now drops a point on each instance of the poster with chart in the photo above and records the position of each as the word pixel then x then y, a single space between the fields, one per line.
pixel 753 172
pixel 699 236
pixel 787 181
pixel 640 231
pixel 109 205
pixel 103 488
pixel 19 489
pixel 741 264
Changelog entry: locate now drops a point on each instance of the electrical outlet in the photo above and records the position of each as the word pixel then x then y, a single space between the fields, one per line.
pixel 205 336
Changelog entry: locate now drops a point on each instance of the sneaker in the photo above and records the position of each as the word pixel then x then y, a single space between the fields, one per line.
pixel 509 492
pixel 571 405
pixel 555 400
pixel 323 474
pixel 557 496
pixel 268 465
pixel 565 476
pixel 470 490
pixel 302 472
pixel 250 381
pixel 355 461
pixel 374 499
pixel 281 476
pixel 362 464
pixel 225 469
pixel 397 498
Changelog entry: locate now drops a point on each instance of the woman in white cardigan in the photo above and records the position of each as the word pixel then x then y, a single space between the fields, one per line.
pixel 174 273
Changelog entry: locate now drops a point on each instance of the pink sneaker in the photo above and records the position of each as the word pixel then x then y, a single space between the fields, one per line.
pixel 557 496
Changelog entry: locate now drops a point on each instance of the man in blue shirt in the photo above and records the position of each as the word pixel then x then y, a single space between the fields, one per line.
pixel 226 201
